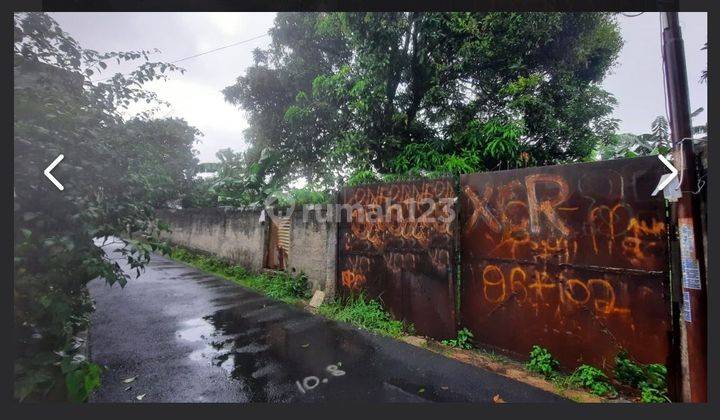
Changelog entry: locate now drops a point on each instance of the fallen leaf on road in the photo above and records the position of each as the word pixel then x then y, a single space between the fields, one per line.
pixel 140 397
pixel 497 399
pixel 305 345
pixel 128 380
pixel 444 388
pixel 128 388
pixel 421 390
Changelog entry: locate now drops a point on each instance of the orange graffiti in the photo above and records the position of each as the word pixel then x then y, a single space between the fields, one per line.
pixel 546 206
pixel 642 237
pixel 404 215
pixel 352 280
pixel 546 289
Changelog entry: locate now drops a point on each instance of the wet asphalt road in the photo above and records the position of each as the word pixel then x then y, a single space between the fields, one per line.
pixel 192 337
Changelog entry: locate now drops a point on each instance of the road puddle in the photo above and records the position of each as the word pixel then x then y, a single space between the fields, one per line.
pixel 197 329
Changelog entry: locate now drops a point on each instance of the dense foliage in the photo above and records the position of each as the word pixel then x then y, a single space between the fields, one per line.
pixel 199 194
pixel 337 93
pixel 657 141
pixel 240 182
pixel 236 181
pixel 114 173
pixel 161 157
pixel 650 379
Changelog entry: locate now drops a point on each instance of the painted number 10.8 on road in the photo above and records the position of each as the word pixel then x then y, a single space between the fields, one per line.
pixel 310 382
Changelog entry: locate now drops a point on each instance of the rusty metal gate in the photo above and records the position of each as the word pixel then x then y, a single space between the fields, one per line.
pixel 399 245
pixel 278 244
pixel 572 258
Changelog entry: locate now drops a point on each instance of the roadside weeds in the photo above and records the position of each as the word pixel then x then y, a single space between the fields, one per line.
pixel 503 366
pixel 369 315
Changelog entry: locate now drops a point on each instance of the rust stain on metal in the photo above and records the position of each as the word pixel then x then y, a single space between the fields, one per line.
pixel 278 244
pixel 401 252
pixel 571 257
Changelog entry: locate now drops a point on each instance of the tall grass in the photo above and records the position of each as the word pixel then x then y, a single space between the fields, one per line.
pixel 365 313
pixel 280 286
pixel 359 310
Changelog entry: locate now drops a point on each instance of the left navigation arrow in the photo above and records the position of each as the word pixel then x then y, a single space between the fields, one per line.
pixel 49 176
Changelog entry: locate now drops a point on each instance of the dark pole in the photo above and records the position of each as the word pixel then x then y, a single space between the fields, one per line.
pixel 693 324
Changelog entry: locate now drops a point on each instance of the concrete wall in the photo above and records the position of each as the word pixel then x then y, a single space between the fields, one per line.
pixel 234 235
pixel 313 250
pixel 239 237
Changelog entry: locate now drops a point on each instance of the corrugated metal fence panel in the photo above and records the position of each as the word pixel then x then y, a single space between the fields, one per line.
pixel 284 234
pixel 408 264
pixel 571 257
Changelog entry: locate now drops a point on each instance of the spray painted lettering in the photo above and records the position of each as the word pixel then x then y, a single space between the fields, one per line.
pixel 574 256
pixel 398 245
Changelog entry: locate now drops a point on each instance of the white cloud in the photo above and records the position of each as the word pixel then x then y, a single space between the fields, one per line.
pixel 230 24
pixel 204 107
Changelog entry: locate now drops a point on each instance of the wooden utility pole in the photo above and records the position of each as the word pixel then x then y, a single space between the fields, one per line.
pixel 693 320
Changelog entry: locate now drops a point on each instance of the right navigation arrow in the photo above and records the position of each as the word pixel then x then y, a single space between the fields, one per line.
pixel 667 178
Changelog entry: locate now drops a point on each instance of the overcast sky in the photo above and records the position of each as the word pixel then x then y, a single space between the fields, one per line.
pixel 636 80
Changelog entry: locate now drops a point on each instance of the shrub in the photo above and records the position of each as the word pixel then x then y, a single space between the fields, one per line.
pixel 627 371
pixel 655 376
pixel 81 377
pixel 650 379
pixel 300 196
pixel 541 361
pixel 653 395
pixel 462 341
pixel 594 380
pixel 362 177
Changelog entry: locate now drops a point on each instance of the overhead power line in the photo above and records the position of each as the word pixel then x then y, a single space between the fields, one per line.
pixel 208 52
pixel 219 48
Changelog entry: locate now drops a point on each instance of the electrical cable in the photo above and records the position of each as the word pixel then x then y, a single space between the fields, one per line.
pixel 220 48
pixel 206 52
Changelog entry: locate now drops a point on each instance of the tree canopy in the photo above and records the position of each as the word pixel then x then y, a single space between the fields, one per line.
pixel 115 172
pixel 456 92
pixel 161 157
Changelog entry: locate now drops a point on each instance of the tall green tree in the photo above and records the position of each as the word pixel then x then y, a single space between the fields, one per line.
pixel 657 141
pixel 108 190
pixel 240 181
pixel 337 92
pixel 161 157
